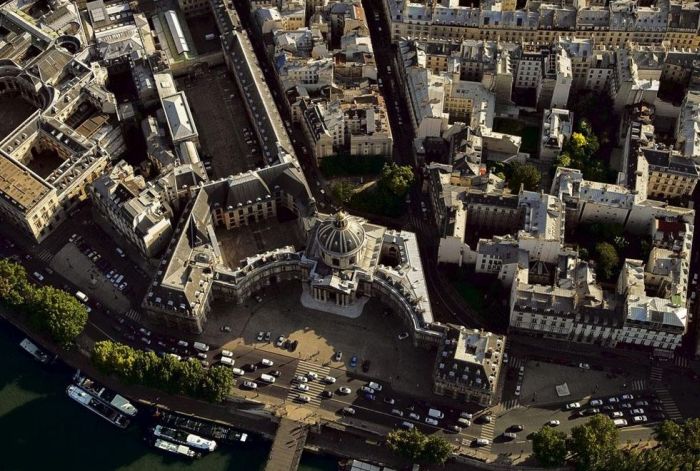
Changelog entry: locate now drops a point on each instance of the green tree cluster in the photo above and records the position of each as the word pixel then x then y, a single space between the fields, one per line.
pixel 417 447
pixel 526 174
pixel 386 197
pixel 593 447
pixel 167 372
pixel 580 151
pixel 50 310
pixel 607 260
pixel 343 191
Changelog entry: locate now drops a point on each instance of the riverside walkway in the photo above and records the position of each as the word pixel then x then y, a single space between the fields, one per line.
pixel 288 446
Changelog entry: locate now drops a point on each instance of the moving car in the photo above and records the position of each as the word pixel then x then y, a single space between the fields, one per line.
pixel 353 361
pixel 250 384
pixel 554 423
pixel 348 411
pixel 375 386
pixel 338 356
pixel 303 398
pixel 344 390
pixel 302 387
pixel 572 406
pixel 329 380
pixel 510 436
pixel 403 335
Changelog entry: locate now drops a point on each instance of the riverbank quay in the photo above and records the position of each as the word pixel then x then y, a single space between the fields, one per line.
pixel 325 437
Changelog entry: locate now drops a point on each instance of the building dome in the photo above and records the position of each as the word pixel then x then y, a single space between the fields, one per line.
pixel 340 236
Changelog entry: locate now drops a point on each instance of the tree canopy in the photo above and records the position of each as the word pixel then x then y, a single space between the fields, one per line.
pixel 396 178
pixel 526 174
pixel 165 372
pixel 607 259
pixel 594 443
pixel 50 310
pixel 417 447
pixel 549 446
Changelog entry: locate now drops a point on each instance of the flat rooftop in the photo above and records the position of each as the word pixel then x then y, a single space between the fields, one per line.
pixel 19 186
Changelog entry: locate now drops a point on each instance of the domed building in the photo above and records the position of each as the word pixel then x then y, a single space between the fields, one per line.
pixel 341 240
pixel 344 250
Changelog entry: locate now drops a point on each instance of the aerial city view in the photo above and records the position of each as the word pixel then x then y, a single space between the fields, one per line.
pixel 349 235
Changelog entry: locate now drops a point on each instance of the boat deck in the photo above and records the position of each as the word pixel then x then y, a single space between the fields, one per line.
pixel 201 427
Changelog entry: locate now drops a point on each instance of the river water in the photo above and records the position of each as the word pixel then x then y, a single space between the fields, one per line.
pixel 41 429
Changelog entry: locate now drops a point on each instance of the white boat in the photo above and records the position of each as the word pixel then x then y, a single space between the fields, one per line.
pixel 34 351
pixel 184 438
pixel 174 448
pixel 98 407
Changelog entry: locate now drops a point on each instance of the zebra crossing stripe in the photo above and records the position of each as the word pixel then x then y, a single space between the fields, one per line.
pixel 316 387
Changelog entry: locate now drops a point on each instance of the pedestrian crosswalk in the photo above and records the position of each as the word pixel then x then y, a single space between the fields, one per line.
pixel 487 432
pixel 509 404
pixel 639 385
pixel 669 404
pixel 657 373
pixel 516 362
pixel 316 386
pixel 45 256
pixel 680 361
pixel 134 315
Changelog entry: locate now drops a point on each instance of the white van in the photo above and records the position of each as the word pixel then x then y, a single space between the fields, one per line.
pixel 202 347
pixel 436 413
pixel 81 296
pixel 227 361
pixel 267 378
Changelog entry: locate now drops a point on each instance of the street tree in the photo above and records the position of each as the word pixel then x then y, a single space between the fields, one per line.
pixel 436 450
pixel 593 443
pixel 549 446
pixel 217 384
pixel 396 178
pixel 408 444
pixel 13 282
pixel 526 174
pixel 58 313
pixel 343 191
pixel 607 259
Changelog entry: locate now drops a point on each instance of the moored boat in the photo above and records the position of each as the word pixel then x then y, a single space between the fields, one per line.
pixel 174 448
pixel 29 347
pixel 96 406
pixel 184 438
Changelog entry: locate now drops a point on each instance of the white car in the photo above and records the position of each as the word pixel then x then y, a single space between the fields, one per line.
pixel 329 379
pixel 348 411
pixel 595 402
pixel 368 390
pixel 301 379
pixel 376 386
pixel 554 423
pixel 266 362
pixel 517 390
pixel 250 384
pixel 627 397
pixel 637 412
pixel 302 387
pixel 616 414
pixel 573 406
pixel 238 372
pixel 344 390
pixel 403 335
pixel 227 353
pixel 311 375
pixel 639 419
pixel 584 366
pixel 431 421
pixel 414 416
pixel 303 398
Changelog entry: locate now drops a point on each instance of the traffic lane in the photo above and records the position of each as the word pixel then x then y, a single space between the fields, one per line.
pixel 366 412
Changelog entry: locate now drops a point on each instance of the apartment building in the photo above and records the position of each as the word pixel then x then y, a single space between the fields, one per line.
pixel 557 127
pixel 611 26
pixel 139 212
pixel 468 365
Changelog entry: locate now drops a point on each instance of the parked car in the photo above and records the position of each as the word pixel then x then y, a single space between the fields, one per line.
pixel 344 390
pixel 250 384
pixel 414 416
pixel 516 428
pixel 595 402
pixel 279 342
pixel 641 403
pixel 353 361
pixel 293 345
pixel 431 421
pixel 338 356
pixel 637 412
pixel 584 366
pixel 327 394
pixel 616 414
pixel 613 400
pixel 276 373
pixel 509 436
pixel 389 400
pixel 626 397
pixel 260 336
pixel 268 335
pixel 639 419
pixel 403 335
pixel 266 362
pixel 329 379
